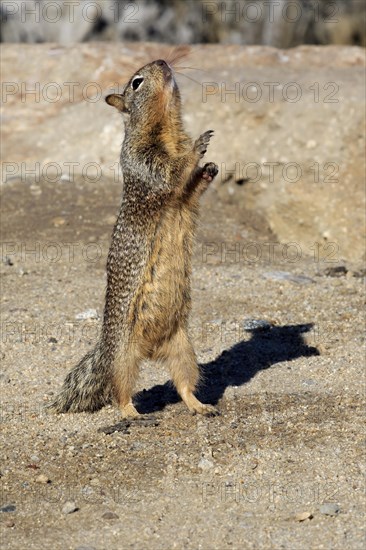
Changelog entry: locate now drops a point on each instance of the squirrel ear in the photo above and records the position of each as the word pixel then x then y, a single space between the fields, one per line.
pixel 117 101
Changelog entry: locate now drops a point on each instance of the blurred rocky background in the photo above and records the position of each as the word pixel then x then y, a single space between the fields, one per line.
pixel 279 23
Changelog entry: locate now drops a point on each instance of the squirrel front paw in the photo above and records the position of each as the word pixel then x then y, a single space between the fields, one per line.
pixel 201 144
pixel 210 171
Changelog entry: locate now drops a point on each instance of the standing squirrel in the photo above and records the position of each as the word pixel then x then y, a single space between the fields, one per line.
pixel 148 297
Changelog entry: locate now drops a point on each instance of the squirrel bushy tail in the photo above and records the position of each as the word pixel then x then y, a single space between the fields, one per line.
pixel 87 387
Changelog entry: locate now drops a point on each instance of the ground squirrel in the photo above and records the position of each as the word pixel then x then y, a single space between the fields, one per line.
pixel 148 297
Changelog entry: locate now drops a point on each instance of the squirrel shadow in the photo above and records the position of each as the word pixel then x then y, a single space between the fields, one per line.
pixel 236 366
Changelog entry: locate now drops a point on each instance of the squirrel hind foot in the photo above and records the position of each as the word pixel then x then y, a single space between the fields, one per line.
pixel 129 411
pixel 195 406
pixel 206 410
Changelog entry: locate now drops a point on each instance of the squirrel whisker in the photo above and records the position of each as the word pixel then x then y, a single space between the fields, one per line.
pixel 191 68
pixel 189 77
pixel 178 53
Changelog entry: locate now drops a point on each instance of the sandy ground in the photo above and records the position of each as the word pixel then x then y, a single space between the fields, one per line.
pixel 290 391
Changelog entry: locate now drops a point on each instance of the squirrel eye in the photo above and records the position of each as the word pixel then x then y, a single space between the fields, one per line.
pixel 137 81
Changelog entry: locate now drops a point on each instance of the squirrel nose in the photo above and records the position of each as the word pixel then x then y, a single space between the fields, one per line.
pixel 164 68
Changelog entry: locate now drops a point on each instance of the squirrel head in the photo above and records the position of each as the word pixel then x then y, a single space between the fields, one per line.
pixel 149 92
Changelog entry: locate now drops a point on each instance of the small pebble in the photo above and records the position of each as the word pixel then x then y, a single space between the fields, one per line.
pixel 302 516
pixel 110 515
pixel 311 144
pixel 58 221
pixel 88 314
pixel 95 482
pixel 309 382
pixel 69 507
pixel 256 324
pixel 42 478
pixel 205 464
pixel 8 508
pixel 35 190
pixel 10 523
pixel 329 509
pixel 286 276
pixel 7 261
pixel 336 271
pixel 119 427
pixel 253 464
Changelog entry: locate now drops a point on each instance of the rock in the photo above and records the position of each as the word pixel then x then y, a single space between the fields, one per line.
pixel 35 190
pixel 8 508
pixel 69 507
pixel 7 261
pixel 122 426
pixel 309 382
pixel 88 314
pixel 336 271
pixel 256 324
pixel 58 221
pixel 42 478
pixel 95 482
pixel 302 516
pixel 9 523
pixel 253 464
pixel 110 515
pixel 285 276
pixel 205 464
pixel 311 144
pixel 329 509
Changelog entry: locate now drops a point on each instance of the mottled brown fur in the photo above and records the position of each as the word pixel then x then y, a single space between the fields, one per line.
pixel 149 262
